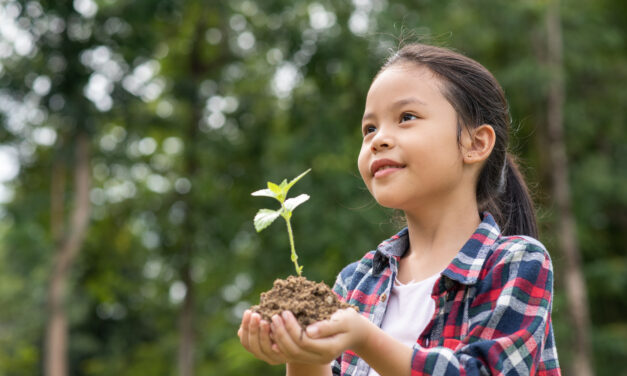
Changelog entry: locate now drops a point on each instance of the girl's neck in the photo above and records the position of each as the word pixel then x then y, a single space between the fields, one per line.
pixel 436 234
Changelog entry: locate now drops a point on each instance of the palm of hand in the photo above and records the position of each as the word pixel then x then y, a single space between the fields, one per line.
pixel 320 343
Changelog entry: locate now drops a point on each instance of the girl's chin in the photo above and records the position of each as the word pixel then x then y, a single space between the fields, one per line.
pixel 389 201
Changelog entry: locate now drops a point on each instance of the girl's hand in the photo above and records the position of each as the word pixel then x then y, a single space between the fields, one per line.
pixel 254 334
pixel 321 342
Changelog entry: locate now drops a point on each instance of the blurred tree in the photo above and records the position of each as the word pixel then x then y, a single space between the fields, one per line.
pixel 575 283
pixel 69 242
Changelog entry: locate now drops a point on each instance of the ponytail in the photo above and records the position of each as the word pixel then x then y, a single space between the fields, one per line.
pixel 511 205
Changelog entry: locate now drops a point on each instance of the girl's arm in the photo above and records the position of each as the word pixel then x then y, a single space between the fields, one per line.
pixel 298 369
pixel 384 353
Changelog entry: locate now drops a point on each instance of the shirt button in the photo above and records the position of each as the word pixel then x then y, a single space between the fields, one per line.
pixel 383 298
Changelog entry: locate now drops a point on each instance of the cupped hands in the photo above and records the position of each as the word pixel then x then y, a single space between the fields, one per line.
pixel 284 341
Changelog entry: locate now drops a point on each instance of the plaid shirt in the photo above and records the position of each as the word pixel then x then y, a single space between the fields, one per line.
pixel 492 307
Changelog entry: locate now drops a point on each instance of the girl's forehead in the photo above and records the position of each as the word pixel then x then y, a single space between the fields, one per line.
pixel 406 71
pixel 402 79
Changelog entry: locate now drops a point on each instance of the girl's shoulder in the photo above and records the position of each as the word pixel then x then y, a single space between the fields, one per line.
pixel 515 254
pixel 507 246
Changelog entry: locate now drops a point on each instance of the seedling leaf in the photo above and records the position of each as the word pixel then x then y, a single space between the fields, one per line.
pixel 264 192
pixel 283 186
pixel 292 203
pixel 296 179
pixel 274 188
pixel 265 217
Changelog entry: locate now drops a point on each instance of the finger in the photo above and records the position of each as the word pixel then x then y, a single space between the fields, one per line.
pixel 328 328
pixel 266 344
pixel 253 335
pixel 252 331
pixel 265 340
pixel 299 337
pixel 243 329
pixel 293 327
pixel 342 314
pixel 283 339
pixel 257 337
pixel 300 347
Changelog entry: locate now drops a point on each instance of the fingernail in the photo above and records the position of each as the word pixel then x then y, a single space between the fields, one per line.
pixel 312 331
pixel 286 315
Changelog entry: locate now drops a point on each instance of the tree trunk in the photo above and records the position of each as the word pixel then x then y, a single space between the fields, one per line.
pixel 567 237
pixel 66 250
pixel 187 337
pixel 186 326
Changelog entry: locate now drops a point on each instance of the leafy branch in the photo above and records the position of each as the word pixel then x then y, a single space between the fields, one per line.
pixel 265 217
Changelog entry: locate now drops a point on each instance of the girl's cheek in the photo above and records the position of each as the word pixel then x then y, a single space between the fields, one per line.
pixel 362 162
pixel 363 172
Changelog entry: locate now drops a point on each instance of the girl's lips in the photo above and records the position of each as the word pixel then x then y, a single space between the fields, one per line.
pixel 384 167
pixel 386 171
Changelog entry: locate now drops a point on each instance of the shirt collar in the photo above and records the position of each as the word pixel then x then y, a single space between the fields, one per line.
pixel 464 268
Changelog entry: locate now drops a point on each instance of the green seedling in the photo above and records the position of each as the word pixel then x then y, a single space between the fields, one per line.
pixel 265 217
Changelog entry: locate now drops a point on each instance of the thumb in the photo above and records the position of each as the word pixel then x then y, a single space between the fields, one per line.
pixel 328 328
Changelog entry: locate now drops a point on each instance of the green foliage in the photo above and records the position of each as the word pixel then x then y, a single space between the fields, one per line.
pixel 231 88
pixel 265 217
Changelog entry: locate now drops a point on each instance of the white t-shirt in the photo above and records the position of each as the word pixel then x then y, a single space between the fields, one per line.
pixel 409 310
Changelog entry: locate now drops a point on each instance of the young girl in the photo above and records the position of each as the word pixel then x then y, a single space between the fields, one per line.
pixel 464 289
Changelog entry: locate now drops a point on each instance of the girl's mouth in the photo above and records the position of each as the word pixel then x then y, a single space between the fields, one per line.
pixel 384 167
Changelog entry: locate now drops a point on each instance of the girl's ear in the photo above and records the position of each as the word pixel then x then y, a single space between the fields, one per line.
pixel 478 144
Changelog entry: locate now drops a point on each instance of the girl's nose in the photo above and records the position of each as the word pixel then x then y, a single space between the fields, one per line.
pixel 381 141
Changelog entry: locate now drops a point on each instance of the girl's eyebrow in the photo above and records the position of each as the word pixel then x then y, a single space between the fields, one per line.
pixel 399 103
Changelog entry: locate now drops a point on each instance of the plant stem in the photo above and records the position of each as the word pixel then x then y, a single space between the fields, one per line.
pixel 291 236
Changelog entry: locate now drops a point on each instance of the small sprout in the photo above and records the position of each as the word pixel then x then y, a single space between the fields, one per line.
pixel 265 217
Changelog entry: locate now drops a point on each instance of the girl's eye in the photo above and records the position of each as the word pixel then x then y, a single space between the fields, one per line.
pixel 369 129
pixel 407 117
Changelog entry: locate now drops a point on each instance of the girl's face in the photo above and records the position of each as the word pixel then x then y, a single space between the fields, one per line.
pixel 410 155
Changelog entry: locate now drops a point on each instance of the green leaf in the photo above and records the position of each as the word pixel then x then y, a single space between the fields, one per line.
pixel 283 186
pixel 296 179
pixel 265 217
pixel 292 203
pixel 264 192
pixel 275 188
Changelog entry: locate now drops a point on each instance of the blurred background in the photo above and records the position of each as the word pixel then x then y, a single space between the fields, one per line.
pixel 133 132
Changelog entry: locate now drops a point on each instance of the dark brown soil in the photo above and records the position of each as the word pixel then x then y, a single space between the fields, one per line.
pixel 309 301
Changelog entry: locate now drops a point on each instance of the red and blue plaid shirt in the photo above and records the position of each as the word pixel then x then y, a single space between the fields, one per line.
pixel 492 307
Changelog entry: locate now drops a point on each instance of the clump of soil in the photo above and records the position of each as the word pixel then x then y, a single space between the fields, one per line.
pixel 309 301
